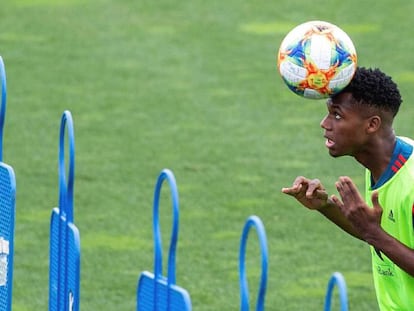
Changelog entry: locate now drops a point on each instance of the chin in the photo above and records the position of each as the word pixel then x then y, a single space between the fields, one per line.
pixel 334 154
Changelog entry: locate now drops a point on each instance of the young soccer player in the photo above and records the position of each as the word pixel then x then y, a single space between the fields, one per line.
pixel 359 123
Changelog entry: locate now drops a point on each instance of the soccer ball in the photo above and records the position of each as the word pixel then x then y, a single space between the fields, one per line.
pixel 317 59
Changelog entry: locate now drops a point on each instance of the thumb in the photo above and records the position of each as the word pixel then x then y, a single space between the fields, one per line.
pixel 375 201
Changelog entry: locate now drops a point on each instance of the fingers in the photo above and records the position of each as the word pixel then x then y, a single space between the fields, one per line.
pixel 347 190
pixel 352 201
pixel 343 184
pixel 310 188
pixel 337 201
pixel 296 186
pixel 309 192
pixel 316 189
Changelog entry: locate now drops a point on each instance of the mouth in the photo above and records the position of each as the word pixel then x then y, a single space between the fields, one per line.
pixel 329 143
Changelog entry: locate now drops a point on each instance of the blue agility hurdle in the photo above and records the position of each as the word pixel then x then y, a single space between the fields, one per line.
pixel 7 210
pixel 64 270
pixel 156 292
pixel 338 280
pixel 253 221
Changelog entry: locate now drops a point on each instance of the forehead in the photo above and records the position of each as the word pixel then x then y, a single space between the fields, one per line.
pixel 341 100
pixel 346 104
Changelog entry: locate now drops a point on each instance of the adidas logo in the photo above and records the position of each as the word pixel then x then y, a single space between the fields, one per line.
pixel 391 216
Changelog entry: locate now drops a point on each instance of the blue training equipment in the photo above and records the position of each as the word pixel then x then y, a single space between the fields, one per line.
pixel 156 292
pixel 253 221
pixel 338 280
pixel 64 270
pixel 7 210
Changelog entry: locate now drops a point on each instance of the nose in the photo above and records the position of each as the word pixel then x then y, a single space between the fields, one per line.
pixel 324 123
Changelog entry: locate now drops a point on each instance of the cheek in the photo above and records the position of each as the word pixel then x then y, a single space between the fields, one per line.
pixel 354 126
pixel 353 134
pixel 344 129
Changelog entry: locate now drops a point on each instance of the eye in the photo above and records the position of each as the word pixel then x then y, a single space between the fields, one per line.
pixel 337 116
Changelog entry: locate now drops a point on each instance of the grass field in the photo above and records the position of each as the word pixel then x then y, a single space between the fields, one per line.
pixel 190 86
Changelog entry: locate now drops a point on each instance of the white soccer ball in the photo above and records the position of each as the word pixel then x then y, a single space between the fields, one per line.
pixel 317 59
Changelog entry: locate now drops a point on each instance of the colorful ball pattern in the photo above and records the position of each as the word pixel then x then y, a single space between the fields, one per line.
pixel 317 59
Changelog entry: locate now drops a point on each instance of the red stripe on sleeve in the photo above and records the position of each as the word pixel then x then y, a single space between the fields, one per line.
pixel 401 158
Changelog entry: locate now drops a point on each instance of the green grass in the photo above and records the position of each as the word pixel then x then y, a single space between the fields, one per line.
pixel 191 86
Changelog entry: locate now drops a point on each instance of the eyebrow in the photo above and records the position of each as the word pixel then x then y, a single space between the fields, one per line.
pixel 330 103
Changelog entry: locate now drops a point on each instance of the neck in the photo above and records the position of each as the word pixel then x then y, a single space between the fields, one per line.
pixel 377 155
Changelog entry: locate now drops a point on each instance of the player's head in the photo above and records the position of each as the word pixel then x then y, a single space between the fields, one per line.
pixel 374 88
pixel 361 115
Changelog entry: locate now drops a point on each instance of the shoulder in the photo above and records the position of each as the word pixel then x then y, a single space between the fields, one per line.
pixel 407 140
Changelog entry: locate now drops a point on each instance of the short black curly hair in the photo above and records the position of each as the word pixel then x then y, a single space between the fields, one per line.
pixel 375 88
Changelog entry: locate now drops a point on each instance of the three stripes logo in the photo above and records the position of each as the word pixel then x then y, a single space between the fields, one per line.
pixel 399 162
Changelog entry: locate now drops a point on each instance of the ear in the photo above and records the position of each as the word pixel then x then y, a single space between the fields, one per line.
pixel 373 124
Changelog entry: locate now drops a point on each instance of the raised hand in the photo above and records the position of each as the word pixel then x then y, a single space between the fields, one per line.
pixel 364 219
pixel 309 192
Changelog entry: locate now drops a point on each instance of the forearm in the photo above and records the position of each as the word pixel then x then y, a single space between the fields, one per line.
pixel 397 252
